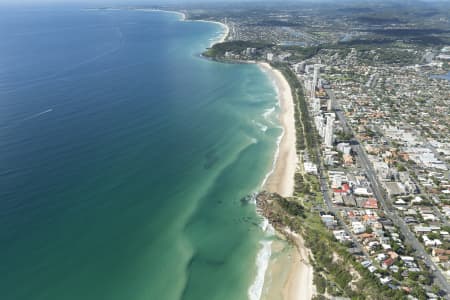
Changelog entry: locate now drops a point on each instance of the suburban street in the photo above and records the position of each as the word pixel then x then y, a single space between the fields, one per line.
pixel 326 196
pixel 385 203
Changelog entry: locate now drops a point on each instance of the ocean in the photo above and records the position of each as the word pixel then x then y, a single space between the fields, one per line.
pixel 125 158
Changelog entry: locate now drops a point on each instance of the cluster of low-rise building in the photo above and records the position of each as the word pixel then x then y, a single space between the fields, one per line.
pixel 381 247
pixel 403 121
pixel 386 108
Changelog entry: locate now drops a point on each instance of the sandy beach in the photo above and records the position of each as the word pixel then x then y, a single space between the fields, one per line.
pixel 226 30
pixel 223 37
pixel 281 180
pixel 300 282
pixel 289 276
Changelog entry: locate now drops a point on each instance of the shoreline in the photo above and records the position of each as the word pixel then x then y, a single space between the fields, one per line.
pixel 289 275
pixel 226 30
pixel 224 35
pixel 297 282
pixel 181 14
pixel 281 178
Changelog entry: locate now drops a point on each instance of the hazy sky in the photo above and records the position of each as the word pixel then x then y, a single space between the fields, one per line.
pixel 103 2
pixel 136 2
pixel 143 2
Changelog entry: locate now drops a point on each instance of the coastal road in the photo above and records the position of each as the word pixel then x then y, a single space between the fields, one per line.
pixel 324 187
pixel 442 218
pixel 385 203
pixel 326 196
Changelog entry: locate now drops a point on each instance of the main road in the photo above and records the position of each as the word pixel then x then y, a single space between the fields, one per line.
pixel 327 199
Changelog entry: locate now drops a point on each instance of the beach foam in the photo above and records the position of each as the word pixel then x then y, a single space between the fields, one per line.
pixel 264 254
pixel 275 159
pixel 268 112
pixel 262 262
pixel 261 127
pixel 280 180
pixel 221 36
pixel 267 227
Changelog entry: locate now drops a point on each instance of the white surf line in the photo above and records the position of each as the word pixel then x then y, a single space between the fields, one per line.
pixel 38 114
pixel 262 263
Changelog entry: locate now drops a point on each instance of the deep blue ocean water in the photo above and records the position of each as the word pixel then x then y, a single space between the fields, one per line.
pixel 124 156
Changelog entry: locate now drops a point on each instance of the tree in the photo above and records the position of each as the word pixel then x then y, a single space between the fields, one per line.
pixel 320 283
pixel 436 289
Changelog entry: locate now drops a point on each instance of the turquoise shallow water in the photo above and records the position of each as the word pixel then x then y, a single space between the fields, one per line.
pixel 124 156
